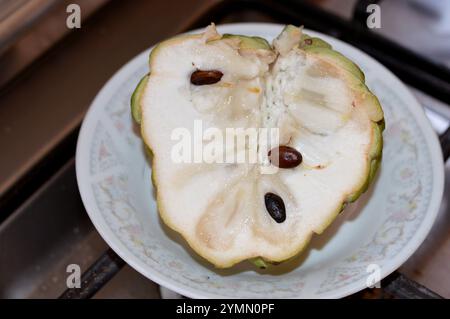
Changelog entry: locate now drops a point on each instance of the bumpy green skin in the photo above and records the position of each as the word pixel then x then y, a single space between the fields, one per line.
pixel 322 48
pixel 136 99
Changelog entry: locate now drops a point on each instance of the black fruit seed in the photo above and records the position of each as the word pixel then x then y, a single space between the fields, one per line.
pixel 288 157
pixel 275 207
pixel 200 77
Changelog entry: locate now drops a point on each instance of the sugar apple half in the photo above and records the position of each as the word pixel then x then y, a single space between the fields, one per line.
pixel 330 140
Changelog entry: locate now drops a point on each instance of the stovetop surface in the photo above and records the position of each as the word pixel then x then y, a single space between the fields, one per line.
pixel 47 227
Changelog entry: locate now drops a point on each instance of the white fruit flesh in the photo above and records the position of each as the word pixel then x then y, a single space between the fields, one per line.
pixel 219 208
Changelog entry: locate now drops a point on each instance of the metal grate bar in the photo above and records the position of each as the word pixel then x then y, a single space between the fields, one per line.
pixel 395 286
pixel 445 144
pixel 105 268
pixel 401 287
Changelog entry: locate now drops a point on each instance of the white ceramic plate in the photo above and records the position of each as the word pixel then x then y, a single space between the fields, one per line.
pixel 379 232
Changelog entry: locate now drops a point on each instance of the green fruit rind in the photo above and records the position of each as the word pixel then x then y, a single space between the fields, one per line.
pixel 372 105
pixel 259 262
pixel 357 79
pixel 374 157
pixel 135 101
pixel 336 58
pixel 314 42
pixel 247 42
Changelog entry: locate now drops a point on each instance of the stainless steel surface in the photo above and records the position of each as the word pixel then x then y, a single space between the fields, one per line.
pixel 9 7
pixel 28 41
pixel 51 97
pixel 16 16
pixel 49 232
